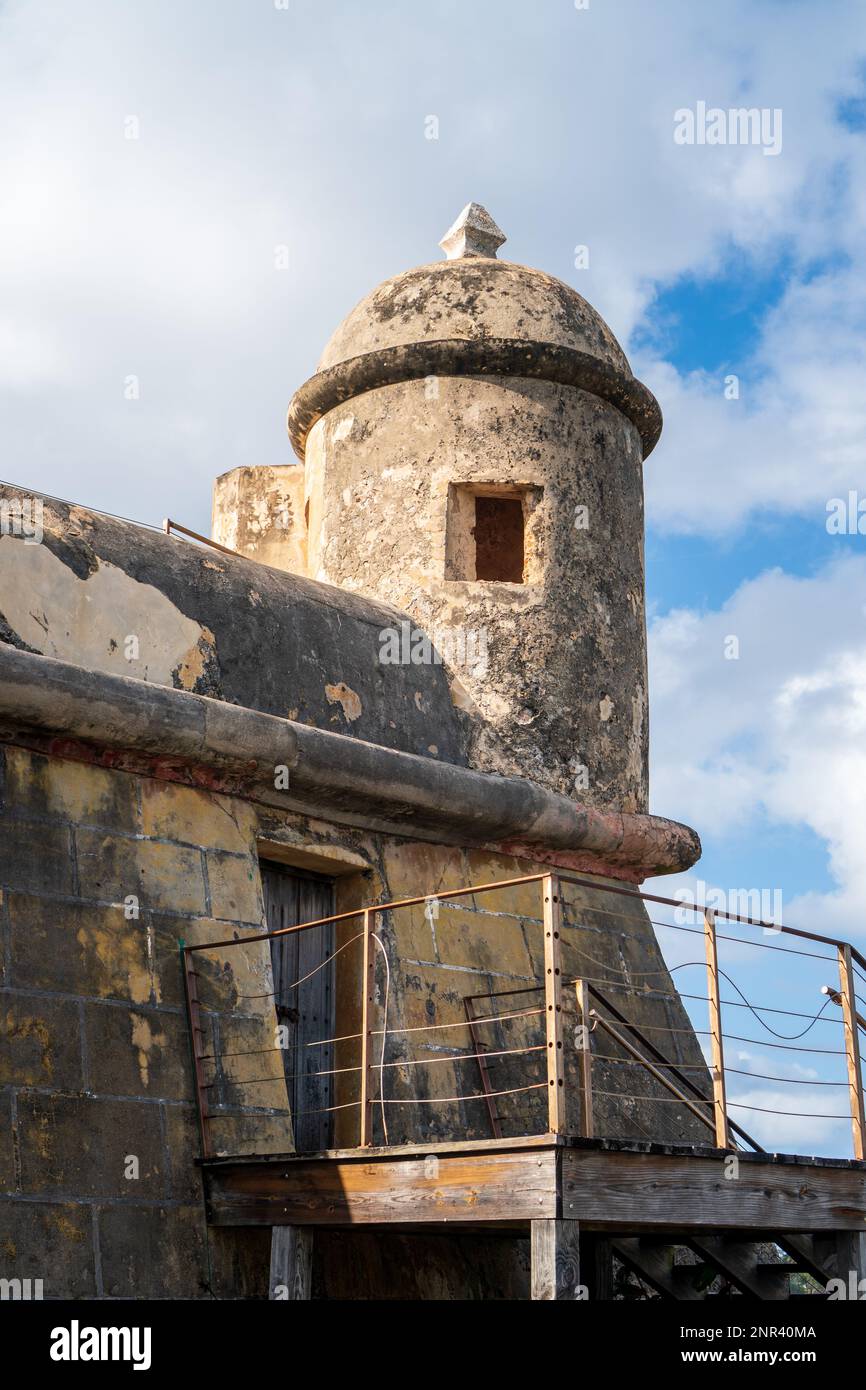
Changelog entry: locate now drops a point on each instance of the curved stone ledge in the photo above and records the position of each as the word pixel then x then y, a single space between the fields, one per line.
pixel 466 357
pixel 125 723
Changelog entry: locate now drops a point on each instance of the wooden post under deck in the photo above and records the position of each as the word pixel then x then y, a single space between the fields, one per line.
pixel 555 1272
pixel 291 1264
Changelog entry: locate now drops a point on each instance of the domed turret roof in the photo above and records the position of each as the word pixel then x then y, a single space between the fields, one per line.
pixel 471 315
pixel 473 298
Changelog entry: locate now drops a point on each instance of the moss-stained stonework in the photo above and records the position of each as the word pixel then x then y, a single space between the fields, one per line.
pixel 94 1057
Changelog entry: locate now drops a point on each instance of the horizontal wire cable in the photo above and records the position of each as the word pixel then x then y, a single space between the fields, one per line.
pixel 663 1028
pixel 325 1110
pixel 788 1037
pixel 765 1008
pixel 744 941
pixel 636 1062
pixel 732 1003
pixel 47 497
pixel 642 993
pixel 699 931
pixel 786 1047
pixel 438 1027
pixel 342 1071
pixel 783 1080
pixel 255 1080
pixel 793 1114
pixel 483 1095
pixel 234 1112
pixel 310 973
pixel 652 1100
pixel 466 1056
pixel 732 1104
pixel 350 1037
pixel 253 1052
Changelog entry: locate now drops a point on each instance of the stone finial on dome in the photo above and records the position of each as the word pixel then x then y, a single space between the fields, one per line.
pixel 473 234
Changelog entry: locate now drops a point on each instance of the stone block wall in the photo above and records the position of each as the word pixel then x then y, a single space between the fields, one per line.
pixel 101 1196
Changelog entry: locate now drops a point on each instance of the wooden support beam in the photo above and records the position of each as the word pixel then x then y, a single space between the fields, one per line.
pixel 368 999
pixel 291 1264
pixel 807 1252
pixel 836 1255
pixel 653 1262
pixel 609 1187
pixel 553 1006
pixel 678 1193
pixel 596 1266
pixel 850 1259
pixel 852 1051
pixel 510 1186
pixel 720 1104
pixel 555 1273
pixel 584 1022
pixel 738 1260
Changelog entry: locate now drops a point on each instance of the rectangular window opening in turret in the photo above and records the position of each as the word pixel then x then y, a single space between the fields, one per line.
pixel 487 536
pixel 499 539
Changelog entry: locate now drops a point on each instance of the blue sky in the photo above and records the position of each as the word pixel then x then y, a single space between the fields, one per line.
pixel 303 126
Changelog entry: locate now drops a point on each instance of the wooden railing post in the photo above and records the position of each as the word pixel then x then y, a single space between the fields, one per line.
pixel 852 1050
pixel 581 989
pixel 368 984
pixel 720 1104
pixel 553 1005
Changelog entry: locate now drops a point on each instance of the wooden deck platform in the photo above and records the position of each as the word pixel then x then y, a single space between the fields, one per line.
pixel 607 1186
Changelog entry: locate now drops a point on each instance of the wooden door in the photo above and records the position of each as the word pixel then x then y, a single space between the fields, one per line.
pixel 304 995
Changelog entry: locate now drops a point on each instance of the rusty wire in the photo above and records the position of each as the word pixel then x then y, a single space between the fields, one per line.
pixel 451 1057
pixel 483 1095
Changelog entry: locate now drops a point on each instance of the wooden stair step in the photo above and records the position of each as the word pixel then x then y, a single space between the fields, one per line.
pixel 739 1262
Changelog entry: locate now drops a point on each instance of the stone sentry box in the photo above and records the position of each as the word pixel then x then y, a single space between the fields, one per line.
pixel 475 378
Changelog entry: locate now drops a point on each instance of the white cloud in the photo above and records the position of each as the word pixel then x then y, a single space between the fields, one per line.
pixel 305 127
pixel 802 1114
pixel 792 1119
pixel 779 732
pixel 794 437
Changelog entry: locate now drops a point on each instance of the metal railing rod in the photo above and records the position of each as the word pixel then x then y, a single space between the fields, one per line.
pixel 660 1057
pixel 371 907
pixel 169 526
pixel 720 912
pixel 624 1043
pixel 532 878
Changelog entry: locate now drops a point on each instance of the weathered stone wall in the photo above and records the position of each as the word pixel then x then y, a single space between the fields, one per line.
pixel 114 597
pixel 553 668
pixel 259 512
pixel 94 1047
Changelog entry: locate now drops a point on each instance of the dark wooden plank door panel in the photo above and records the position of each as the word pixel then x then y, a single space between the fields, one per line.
pixel 304 995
